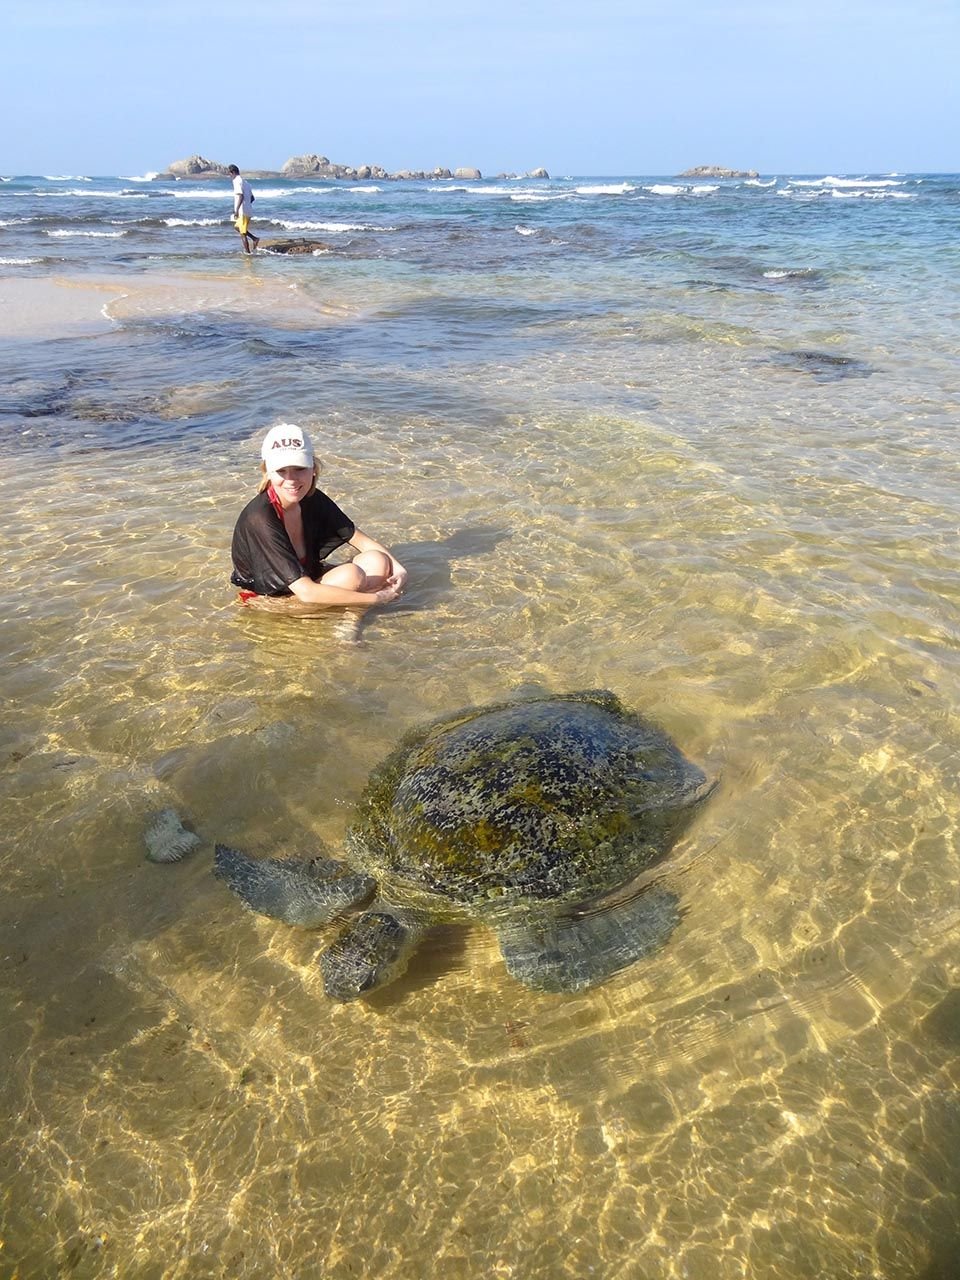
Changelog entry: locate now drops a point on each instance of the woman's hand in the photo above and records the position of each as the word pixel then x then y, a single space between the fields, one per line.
pixel 391 590
pixel 363 543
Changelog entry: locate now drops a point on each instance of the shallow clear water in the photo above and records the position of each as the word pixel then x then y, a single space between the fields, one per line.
pixel 612 453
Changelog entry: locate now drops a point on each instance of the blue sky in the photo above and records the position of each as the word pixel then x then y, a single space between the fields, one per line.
pixel 601 87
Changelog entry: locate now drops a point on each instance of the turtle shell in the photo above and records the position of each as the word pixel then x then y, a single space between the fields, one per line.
pixel 559 798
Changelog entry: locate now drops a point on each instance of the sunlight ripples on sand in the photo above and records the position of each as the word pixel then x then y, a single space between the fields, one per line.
pixel 685 501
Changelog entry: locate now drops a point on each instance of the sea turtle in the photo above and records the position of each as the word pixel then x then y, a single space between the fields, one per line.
pixel 531 816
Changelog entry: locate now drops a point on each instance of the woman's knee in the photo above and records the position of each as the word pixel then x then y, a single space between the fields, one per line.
pixel 350 577
pixel 375 567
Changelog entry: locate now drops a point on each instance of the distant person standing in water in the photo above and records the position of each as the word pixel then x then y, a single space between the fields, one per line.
pixel 242 208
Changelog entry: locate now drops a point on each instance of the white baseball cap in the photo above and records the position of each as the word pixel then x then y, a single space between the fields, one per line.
pixel 286 445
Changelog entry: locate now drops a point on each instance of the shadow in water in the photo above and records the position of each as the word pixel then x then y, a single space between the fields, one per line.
pixel 942 1027
pixel 942 1023
pixel 428 563
pixel 945 1263
pixel 559 952
pixel 442 948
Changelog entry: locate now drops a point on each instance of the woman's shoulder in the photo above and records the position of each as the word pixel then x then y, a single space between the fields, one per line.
pixel 256 509
pixel 317 499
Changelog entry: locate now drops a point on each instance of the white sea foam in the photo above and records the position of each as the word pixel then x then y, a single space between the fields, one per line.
pixel 845 182
pixel 703 190
pixel 147 177
pixel 194 222
pixel 539 197
pixel 864 182
pixel 620 189
pixel 480 191
pixel 370 190
pixel 278 193
pixel 261 193
pixel 757 182
pixel 18 262
pixel 666 189
pixel 200 193
pixel 333 227
pixel 525 231
pixel 107 195
pixel 827 193
pixel 66 177
pixel 873 195
pixel 36 193
pixel 13 222
pixel 98 235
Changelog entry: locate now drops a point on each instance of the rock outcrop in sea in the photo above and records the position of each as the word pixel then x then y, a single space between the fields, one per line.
pixel 318 166
pixel 194 167
pixel 717 171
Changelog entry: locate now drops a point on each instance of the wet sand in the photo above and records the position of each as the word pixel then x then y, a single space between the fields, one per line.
pixel 52 308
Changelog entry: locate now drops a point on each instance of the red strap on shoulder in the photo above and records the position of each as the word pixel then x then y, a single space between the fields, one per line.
pixel 278 508
pixel 275 502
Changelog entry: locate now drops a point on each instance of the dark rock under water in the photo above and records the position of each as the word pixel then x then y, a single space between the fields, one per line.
pixel 823 365
pixel 294 246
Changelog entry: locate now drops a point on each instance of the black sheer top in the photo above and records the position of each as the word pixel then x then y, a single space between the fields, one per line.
pixel 264 560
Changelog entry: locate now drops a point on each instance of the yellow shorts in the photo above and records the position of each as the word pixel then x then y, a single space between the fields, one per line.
pixel 242 223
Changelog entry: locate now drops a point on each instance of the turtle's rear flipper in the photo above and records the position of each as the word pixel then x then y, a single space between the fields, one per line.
pixel 558 954
pixel 307 893
pixel 372 951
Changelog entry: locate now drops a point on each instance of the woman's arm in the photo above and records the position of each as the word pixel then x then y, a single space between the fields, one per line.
pixel 311 592
pixel 363 542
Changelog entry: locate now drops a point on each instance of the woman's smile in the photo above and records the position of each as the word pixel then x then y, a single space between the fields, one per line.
pixel 292 482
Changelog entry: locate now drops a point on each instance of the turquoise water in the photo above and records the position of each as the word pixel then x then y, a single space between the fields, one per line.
pixel 694 442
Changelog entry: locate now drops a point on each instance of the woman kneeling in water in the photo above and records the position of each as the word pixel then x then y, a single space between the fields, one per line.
pixel 285 533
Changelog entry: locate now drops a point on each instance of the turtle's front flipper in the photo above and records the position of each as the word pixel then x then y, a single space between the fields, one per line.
pixel 372 951
pixel 569 954
pixel 307 893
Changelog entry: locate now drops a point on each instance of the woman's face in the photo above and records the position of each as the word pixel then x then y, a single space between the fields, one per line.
pixel 291 483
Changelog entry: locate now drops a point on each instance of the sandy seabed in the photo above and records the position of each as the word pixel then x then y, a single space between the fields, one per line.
pixel 764 563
